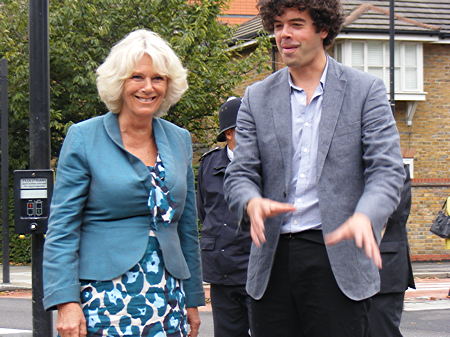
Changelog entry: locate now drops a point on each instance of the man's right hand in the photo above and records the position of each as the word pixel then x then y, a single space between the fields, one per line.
pixel 71 321
pixel 258 209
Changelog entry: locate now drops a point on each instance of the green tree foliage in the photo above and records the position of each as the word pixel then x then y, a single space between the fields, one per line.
pixel 81 34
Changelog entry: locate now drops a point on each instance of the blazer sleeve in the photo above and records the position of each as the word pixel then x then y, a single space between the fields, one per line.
pixel 188 233
pixel 60 262
pixel 384 173
pixel 243 179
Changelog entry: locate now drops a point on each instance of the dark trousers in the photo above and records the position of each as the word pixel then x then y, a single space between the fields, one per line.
pixel 302 298
pixel 385 314
pixel 230 308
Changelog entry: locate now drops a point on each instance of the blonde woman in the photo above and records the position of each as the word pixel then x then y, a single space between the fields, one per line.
pixel 121 255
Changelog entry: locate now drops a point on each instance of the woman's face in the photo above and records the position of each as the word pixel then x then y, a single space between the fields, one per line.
pixel 144 91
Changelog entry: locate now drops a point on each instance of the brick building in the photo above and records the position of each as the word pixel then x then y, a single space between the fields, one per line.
pixel 239 11
pixel 422 94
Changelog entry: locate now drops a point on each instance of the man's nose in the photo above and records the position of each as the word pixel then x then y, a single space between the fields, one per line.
pixel 286 31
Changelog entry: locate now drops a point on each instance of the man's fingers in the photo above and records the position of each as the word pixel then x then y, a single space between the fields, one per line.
pixel 257 232
pixel 338 235
pixel 276 208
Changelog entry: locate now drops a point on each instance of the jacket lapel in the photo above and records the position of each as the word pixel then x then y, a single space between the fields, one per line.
pixel 111 124
pixel 166 152
pixel 331 108
pixel 282 118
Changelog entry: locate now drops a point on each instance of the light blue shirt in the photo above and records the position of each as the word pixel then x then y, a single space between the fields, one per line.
pixel 305 140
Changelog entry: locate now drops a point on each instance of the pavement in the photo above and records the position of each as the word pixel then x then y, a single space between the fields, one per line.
pixel 20 276
pixel 431 293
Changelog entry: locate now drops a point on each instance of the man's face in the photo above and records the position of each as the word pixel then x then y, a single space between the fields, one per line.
pixel 231 140
pixel 297 40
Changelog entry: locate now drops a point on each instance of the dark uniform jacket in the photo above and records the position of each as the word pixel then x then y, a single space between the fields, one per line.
pixel 225 248
pixel 396 274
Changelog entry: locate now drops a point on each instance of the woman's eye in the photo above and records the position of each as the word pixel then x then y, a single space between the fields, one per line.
pixel 136 77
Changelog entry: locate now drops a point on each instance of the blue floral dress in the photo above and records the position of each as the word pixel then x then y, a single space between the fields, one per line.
pixel 146 300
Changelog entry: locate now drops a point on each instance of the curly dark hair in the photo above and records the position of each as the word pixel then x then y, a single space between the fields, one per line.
pixel 326 14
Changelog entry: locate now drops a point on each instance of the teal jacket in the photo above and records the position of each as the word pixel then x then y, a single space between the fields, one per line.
pixel 99 219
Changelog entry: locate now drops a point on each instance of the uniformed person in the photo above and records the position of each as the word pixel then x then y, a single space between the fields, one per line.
pixel 225 248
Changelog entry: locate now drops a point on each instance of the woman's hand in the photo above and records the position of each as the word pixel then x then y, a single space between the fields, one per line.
pixel 71 321
pixel 193 318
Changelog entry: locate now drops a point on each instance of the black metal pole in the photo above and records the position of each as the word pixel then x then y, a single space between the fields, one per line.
pixel 39 144
pixel 392 54
pixel 5 166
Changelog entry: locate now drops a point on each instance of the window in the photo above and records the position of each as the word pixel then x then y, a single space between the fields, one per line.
pixel 410 163
pixel 372 56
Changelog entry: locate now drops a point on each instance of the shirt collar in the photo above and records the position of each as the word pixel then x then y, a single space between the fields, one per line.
pixel 322 79
pixel 230 153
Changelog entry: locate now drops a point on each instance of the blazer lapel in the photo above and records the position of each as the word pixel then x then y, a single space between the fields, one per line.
pixel 111 124
pixel 331 108
pixel 282 118
pixel 166 153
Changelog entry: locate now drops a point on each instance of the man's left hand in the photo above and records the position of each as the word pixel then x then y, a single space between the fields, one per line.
pixel 358 228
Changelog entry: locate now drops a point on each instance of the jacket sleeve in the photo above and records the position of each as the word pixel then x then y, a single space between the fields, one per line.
pixel 243 179
pixel 60 264
pixel 384 173
pixel 188 232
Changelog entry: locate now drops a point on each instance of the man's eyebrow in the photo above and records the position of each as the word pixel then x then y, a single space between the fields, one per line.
pixel 291 20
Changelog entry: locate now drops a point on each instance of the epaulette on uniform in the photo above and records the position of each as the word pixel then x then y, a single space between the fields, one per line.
pixel 210 151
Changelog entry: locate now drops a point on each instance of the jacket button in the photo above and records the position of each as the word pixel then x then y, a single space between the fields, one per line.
pixel 222 250
pixel 225 276
pixel 224 224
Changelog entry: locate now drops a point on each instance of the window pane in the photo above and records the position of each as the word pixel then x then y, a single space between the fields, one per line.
pixel 358 55
pixel 410 56
pixel 397 79
pixel 377 71
pixel 374 53
pixel 397 55
pixel 338 51
pixel 411 79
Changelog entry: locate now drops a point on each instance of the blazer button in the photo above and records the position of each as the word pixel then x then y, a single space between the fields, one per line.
pixel 224 224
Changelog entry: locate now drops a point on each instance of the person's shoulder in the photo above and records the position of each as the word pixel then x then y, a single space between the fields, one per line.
pixel 90 123
pixel 171 127
pixel 352 74
pixel 92 120
pixel 211 153
pixel 271 80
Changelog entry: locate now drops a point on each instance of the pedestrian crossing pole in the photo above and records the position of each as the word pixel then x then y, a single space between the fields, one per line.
pixel 39 137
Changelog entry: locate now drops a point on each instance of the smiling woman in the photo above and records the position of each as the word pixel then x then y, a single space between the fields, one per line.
pixel 123 223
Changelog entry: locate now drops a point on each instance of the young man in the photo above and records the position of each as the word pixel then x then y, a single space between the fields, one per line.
pixel 317 161
pixel 224 248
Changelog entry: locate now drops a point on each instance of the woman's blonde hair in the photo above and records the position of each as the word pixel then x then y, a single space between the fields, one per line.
pixel 122 60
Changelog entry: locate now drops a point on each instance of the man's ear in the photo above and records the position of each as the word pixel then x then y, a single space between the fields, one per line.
pixel 323 34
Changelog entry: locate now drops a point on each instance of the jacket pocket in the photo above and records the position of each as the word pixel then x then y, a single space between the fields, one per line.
pixel 207 243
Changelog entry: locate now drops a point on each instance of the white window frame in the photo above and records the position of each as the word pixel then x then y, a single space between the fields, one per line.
pixel 410 163
pixel 344 55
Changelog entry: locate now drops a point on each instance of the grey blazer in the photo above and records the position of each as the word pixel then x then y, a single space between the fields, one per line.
pixel 359 167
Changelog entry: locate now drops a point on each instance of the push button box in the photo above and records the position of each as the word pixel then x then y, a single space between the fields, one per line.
pixel 33 191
